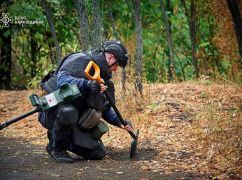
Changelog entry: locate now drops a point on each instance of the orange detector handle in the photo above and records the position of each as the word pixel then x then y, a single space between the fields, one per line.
pixel 96 75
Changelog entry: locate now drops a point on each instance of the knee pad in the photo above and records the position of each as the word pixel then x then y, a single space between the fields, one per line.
pixel 67 115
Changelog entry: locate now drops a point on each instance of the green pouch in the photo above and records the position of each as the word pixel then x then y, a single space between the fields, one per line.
pixel 99 130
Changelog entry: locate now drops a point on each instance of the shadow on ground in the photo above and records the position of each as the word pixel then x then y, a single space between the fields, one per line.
pixel 145 154
pixel 22 160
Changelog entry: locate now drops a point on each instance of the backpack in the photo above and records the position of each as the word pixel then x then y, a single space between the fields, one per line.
pixel 49 81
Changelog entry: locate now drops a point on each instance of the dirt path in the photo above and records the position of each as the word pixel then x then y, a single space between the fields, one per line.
pixel 171 143
pixel 20 160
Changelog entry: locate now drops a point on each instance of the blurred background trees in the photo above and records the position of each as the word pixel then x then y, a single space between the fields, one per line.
pixel 167 40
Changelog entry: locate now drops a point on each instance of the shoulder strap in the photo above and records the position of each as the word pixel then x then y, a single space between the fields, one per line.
pixel 89 53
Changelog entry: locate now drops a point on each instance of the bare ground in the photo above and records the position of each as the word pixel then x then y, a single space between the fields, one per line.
pixel 182 130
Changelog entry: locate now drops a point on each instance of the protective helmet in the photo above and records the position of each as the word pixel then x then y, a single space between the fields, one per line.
pixel 118 50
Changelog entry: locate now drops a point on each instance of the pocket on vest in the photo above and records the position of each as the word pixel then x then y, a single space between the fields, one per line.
pixel 99 130
pixel 90 118
pixel 96 101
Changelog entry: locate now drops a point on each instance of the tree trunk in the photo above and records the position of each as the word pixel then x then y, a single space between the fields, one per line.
pixel 192 30
pixel 84 25
pixel 5 58
pixel 115 34
pixel 167 23
pixel 34 47
pixel 97 34
pixel 182 67
pixel 114 31
pixel 50 20
pixel 139 46
pixel 193 38
pixel 235 12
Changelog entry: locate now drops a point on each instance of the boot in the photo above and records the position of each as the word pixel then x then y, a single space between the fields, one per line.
pixel 61 156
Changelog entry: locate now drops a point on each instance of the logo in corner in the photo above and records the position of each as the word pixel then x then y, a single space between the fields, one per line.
pixel 5 19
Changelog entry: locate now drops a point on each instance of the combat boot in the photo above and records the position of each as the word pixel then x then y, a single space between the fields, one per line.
pixel 61 156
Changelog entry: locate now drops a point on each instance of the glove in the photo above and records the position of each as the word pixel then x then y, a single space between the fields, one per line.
pixel 93 86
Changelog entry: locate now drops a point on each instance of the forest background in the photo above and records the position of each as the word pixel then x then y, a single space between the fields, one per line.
pixel 167 40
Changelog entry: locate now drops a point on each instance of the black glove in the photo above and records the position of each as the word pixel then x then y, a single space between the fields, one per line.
pixel 93 86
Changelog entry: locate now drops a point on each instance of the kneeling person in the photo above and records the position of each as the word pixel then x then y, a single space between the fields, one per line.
pixel 65 123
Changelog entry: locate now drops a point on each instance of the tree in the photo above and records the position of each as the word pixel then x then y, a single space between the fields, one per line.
pixel 84 25
pixel 167 24
pixel 191 17
pixel 5 51
pixel 139 46
pixel 235 12
pixel 115 34
pixel 34 50
pixel 97 34
pixel 114 31
pixel 5 58
pixel 50 20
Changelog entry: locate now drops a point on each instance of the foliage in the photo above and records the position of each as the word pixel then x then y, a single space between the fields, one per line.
pixel 211 59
